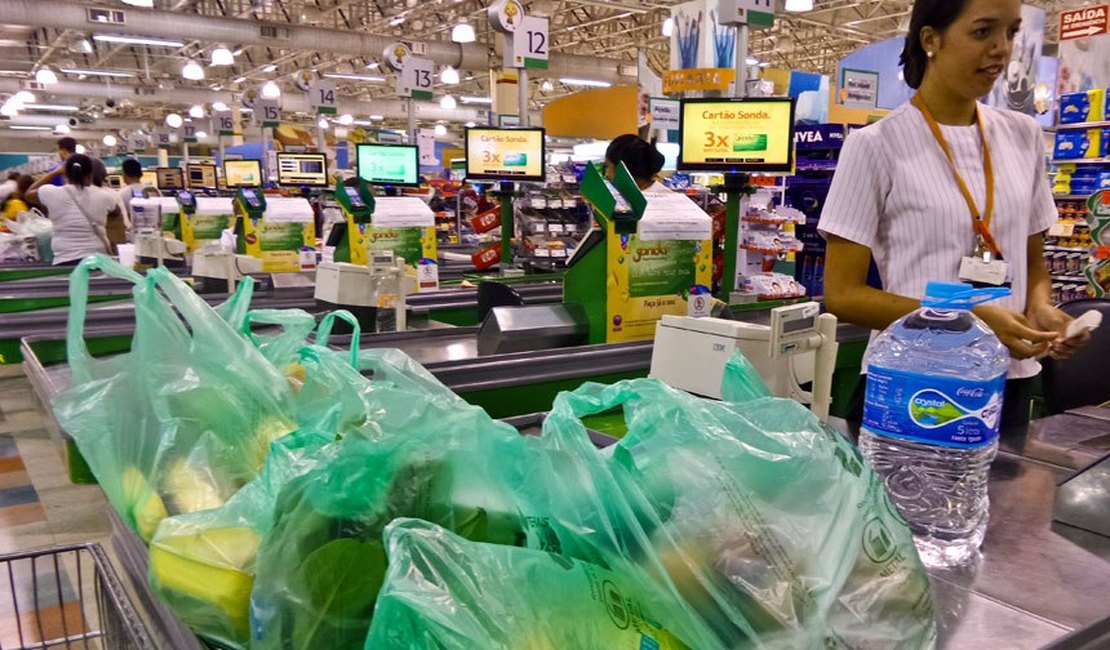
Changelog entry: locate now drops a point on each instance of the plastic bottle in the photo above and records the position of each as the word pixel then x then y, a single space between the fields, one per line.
pixel 935 381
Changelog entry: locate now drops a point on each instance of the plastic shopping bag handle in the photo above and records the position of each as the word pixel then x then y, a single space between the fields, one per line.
pixel 323 332
pixel 234 310
pixel 77 351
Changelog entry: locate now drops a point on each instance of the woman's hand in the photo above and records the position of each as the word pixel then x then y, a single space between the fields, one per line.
pixel 1047 317
pixel 1017 333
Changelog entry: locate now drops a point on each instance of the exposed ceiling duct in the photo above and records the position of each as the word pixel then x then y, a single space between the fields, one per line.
pixel 295 102
pixel 61 14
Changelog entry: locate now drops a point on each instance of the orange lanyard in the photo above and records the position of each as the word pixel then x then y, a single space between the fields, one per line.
pixel 980 220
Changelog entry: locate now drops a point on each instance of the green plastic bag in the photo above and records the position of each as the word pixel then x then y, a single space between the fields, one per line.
pixel 202 563
pixel 185 418
pixel 443 592
pixel 770 524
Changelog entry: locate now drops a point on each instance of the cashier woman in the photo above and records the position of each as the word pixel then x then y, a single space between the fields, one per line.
pixel 945 188
pixel 641 158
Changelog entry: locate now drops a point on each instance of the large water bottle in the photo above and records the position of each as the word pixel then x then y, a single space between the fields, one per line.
pixel 935 380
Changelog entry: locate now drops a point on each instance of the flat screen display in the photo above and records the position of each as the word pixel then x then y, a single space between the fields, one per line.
pixel 354 198
pixel 242 173
pixel 389 164
pixel 115 181
pixel 149 178
pixel 309 169
pixel 505 154
pixel 170 178
pixel 201 177
pixel 737 135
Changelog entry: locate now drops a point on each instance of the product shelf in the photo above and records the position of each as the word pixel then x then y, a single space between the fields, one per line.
pixel 1081 125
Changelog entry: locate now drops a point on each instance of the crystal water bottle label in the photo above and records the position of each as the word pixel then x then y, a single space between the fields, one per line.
pixel 946 411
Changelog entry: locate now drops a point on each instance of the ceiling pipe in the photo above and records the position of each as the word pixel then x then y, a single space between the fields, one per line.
pixel 290 102
pixel 62 14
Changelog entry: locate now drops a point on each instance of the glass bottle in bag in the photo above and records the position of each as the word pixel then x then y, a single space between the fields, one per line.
pixel 935 382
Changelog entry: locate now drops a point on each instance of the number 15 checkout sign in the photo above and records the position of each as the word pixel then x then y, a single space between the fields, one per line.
pixel 528 46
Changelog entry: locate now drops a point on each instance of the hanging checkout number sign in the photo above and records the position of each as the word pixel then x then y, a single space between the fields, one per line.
pixel 323 97
pixel 137 142
pixel 267 113
pixel 529 45
pixel 224 125
pixel 163 137
pixel 415 76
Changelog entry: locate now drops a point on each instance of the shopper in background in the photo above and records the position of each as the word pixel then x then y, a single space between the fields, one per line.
pixel 943 178
pixel 78 210
pixel 8 186
pixel 16 203
pixel 66 147
pixel 641 158
pixel 118 227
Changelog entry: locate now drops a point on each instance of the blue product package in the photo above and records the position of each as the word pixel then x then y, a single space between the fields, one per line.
pixel 1071 145
pixel 1075 108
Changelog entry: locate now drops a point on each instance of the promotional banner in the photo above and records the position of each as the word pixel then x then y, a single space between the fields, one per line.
pixel 648 280
pixel 1015 89
pixel 699 40
pixel 754 135
pixel 278 244
pixel 412 244
pixel 212 217
pixel 426 141
pixel 493 154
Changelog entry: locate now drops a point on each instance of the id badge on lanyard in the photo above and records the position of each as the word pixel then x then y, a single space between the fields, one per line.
pixel 985 266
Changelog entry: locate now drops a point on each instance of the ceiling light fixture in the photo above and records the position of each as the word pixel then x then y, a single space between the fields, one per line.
pixel 346 119
pixel 109 140
pixel 449 76
pixel 799 5
pixel 764 64
pixel 593 83
pixel 440 130
pixel 81 148
pixel 149 4
pixel 751 60
pixel 57 108
pixel 201 134
pixel 467 99
pixel 448 103
pixel 322 123
pixel 378 118
pixel 547 86
pixel 362 123
pixel 99 73
pixel 269 68
pixel 222 56
pixel 353 77
pixel 463 33
pixel 138 40
pixel 174 121
pixel 62 128
pixel 219 107
pixel 196 110
pixel 81 46
pixel 46 76
pixel 24 97
pixel 471 125
pixel 24 127
pixel 238 80
pixel 192 71
pixel 9 108
pixel 396 21
pixel 271 90
pixel 373 65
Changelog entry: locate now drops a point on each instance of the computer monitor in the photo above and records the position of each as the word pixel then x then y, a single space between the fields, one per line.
pixel 737 135
pixel 149 178
pixel 115 181
pixel 302 169
pixel 170 178
pixel 389 164
pixel 200 176
pixel 242 173
pixel 505 154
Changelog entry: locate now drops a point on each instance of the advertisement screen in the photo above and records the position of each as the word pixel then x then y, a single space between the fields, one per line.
pixel 170 178
pixel 201 177
pixel 505 154
pixel 389 164
pixel 302 169
pixel 737 135
pixel 242 173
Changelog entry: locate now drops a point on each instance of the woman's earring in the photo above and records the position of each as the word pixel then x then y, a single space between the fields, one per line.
pixel 929 54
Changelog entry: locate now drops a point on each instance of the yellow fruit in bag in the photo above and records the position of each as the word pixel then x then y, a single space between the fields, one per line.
pixel 143 505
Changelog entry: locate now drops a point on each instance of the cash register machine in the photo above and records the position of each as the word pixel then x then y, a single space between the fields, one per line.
pixel 797 346
pixel 359 280
pixel 157 221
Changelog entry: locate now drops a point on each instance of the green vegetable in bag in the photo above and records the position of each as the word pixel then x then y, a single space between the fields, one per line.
pixel 202 564
pixel 768 522
pixel 445 593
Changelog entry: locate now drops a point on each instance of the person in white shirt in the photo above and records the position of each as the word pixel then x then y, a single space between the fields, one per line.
pixel 78 210
pixel 7 188
pixel 899 192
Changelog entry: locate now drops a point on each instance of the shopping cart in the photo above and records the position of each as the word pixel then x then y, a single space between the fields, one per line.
pixel 66 597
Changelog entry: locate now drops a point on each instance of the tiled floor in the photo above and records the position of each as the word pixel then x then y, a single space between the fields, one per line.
pixel 40 508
